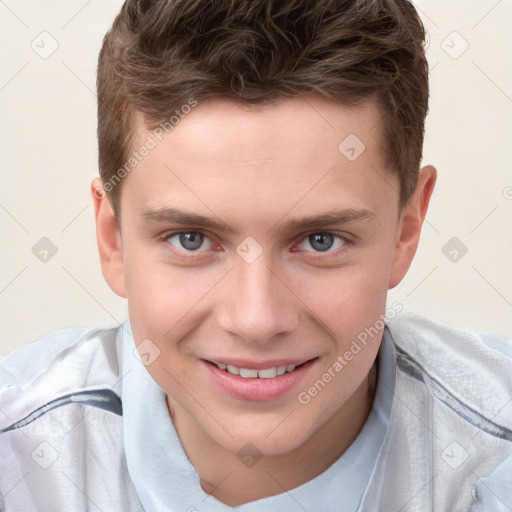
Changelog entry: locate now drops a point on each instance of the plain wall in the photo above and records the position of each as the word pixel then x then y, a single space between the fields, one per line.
pixel 48 155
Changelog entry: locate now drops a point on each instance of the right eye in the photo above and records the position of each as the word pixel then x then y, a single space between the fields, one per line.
pixel 188 241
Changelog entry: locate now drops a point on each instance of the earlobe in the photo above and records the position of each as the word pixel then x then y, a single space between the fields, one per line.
pixel 411 221
pixel 109 239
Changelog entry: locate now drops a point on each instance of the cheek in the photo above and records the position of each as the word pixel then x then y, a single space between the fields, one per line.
pixel 164 307
pixel 163 299
pixel 346 300
pixel 351 307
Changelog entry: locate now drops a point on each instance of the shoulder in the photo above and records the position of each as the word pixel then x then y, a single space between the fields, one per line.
pixel 64 364
pixel 438 344
pixel 469 366
pixel 19 365
pixel 60 399
pixel 410 328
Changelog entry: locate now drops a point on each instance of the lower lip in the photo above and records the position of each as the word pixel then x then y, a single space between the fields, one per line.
pixel 258 389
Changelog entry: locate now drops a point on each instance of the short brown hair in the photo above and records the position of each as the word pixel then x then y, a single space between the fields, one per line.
pixel 161 53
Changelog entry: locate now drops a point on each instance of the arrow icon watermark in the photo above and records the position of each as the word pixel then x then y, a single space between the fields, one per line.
pixel 44 250
pixel 249 250
pixel 351 147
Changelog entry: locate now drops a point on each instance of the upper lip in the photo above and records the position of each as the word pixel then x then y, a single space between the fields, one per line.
pixel 258 365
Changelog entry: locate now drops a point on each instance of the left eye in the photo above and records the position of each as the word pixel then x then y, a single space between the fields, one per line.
pixel 322 242
pixel 189 240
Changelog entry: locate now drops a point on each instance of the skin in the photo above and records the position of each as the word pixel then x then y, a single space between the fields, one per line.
pixel 254 168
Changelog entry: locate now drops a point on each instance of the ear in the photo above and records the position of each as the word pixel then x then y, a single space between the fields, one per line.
pixel 409 228
pixel 109 239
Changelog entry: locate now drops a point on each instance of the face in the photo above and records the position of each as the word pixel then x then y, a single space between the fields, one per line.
pixel 250 240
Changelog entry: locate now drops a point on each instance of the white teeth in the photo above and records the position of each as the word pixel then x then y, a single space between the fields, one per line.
pixel 233 369
pixel 268 373
pixel 249 373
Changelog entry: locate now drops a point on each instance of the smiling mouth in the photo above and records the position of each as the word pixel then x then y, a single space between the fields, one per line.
pixel 264 373
pixel 270 379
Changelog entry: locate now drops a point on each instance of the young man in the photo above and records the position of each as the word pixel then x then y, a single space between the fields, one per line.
pixel 260 192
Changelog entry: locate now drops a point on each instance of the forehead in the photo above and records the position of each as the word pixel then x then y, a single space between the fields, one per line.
pixel 267 130
pixel 302 149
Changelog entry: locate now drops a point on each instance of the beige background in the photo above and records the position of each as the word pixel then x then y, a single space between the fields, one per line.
pixel 48 156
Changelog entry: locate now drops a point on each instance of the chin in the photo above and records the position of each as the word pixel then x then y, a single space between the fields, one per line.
pixel 270 439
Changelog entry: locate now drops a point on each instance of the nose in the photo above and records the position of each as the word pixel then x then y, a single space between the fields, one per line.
pixel 257 304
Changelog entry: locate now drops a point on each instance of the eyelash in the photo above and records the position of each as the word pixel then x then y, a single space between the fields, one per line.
pixel 193 255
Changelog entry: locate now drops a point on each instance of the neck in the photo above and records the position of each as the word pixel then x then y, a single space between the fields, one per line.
pixel 224 477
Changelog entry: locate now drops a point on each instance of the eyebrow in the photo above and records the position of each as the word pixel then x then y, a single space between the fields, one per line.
pixel 327 219
pixel 176 216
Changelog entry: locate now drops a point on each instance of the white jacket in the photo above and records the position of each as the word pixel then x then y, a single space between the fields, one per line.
pixel 448 446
